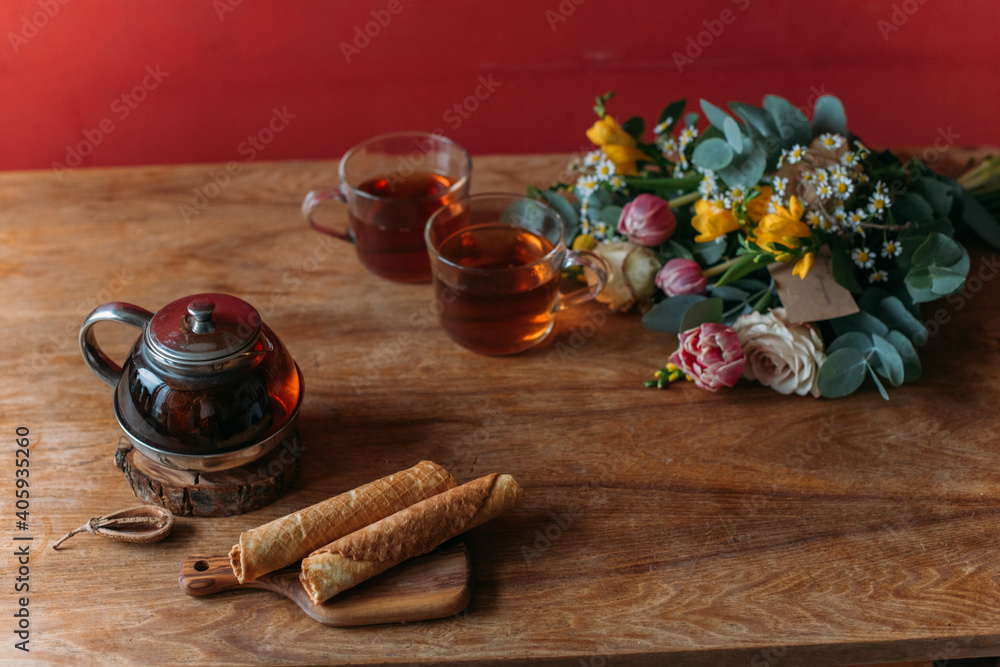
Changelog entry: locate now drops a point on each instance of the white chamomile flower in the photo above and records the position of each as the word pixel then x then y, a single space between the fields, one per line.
pixel 602 229
pixel 878 276
pixel 891 249
pixel 881 188
pixel 727 203
pixel 840 215
pixel 708 186
pixel 584 224
pixel 794 155
pixel 877 204
pixel 592 158
pixel 862 177
pixel 720 239
pixel 668 144
pixel 617 183
pixel 688 134
pixel 808 177
pixel 843 189
pixel 863 151
pixel 824 190
pixel 779 184
pixel 604 170
pixel 850 160
pixel 736 194
pixel 585 186
pixel 863 257
pixel 822 176
pixel 831 140
pixel 662 127
pixel 814 219
pixel 828 225
pixel 856 218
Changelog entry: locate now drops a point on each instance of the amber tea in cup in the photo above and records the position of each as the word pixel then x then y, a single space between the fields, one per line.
pixel 391 185
pixel 496 261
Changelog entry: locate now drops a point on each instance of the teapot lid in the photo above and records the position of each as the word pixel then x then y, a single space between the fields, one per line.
pixel 203 328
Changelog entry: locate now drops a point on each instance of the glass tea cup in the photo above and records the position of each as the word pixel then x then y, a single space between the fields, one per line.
pixel 391 185
pixel 496 261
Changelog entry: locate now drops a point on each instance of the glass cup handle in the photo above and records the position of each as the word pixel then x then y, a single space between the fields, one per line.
pixel 313 199
pixel 595 263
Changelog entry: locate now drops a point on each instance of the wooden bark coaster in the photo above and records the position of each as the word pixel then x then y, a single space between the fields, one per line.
pixel 222 493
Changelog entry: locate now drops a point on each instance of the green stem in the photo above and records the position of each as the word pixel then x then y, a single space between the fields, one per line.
pixel 685 199
pixel 721 268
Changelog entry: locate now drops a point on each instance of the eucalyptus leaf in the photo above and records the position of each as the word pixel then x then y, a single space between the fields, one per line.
pixel 610 215
pixel 937 194
pixel 871 298
pixel 842 373
pixel 733 134
pixel 980 221
pixel 667 315
pixel 527 213
pixel 792 124
pixel 890 363
pixel 709 252
pixel 714 114
pixel 729 293
pixel 897 317
pixel 911 207
pixel 860 321
pixel 878 383
pixel 678 250
pixel 756 118
pixel 562 207
pixel 746 168
pixel 713 154
pixel 708 310
pixel 911 363
pixel 691 118
pixel 829 116
pixel 944 281
pixel 856 340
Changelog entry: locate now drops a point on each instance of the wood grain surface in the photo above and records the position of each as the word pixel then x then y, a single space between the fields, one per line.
pixel 671 527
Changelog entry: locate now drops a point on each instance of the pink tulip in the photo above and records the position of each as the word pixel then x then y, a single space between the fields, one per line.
pixel 681 276
pixel 711 355
pixel 647 220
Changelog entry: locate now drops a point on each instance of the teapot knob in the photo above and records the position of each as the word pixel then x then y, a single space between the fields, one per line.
pixel 201 311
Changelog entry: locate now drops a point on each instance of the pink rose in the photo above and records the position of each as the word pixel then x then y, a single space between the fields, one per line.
pixel 681 276
pixel 711 355
pixel 647 220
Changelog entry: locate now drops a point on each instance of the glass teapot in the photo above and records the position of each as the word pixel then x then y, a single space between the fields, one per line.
pixel 207 386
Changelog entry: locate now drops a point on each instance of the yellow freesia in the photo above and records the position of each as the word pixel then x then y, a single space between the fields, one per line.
pixel 617 144
pixel 584 242
pixel 757 207
pixel 784 227
pixel 804 264
pixel 712 220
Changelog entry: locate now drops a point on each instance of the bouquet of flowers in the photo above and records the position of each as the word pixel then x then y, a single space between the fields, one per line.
pixel 778 248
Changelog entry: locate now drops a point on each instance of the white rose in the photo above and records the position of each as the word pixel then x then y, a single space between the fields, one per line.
pixel 780 355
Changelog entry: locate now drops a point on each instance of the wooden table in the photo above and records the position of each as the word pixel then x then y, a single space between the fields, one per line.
pixel 661 527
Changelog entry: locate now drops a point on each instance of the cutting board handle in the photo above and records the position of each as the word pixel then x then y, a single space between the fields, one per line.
pixel 205 575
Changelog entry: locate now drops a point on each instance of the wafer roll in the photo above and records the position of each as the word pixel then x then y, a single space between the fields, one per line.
pixel 284 541
pixel 408 533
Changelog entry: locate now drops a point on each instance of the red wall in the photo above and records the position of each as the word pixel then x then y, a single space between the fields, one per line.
pixel 906 70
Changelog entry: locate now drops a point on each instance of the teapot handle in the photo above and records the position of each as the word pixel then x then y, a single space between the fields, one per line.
pixel 95 357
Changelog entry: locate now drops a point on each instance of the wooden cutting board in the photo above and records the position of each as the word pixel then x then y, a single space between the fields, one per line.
pixel 434 585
